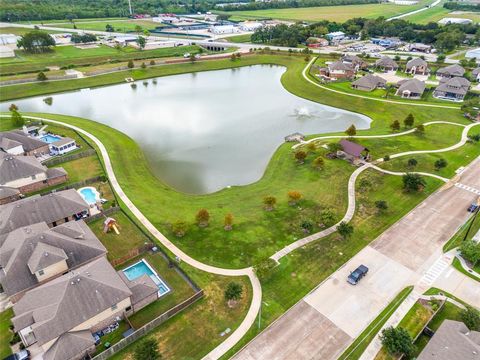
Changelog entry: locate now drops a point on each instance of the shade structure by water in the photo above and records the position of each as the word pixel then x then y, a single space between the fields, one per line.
pixel 202 132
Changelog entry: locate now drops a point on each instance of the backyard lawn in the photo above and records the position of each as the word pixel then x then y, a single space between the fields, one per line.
pixel 333 13
pixel 5 333
pixel 82 169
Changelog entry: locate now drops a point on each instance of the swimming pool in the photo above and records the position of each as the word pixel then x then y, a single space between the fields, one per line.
pixel 143 268
pixel 50 138
pixel 89 194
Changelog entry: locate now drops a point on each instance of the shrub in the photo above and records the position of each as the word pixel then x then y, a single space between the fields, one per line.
pixel 202 217
pixel 409 120
pixel 412 163
pixel 143 66
pixel 440 164
pixel 345 230
pixel 395 126
pixel 386 158
pixel 152 62
pixel 294 197
pixel 397 341
pixel 318 162
pixel 300 156
pixel 147 349
pixel 269 202
pixel 233 291
pixel 413 182
pixel 228 223
pixel 41 76
pixel 381 205
pixel 327 217
pixel 179 228
pixel 130 64
pixel 471 317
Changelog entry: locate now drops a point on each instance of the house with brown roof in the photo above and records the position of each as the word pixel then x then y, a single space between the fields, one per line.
pixel 338 70
pixel 450 71
pixel 417 66
pixel 60 316
pixel 352 151
pixel 410 88
pixel 453 89
pixel 452 341
pixel 17 142
pixel 34 254
pixel 386 63
pixel 53 209
pixel 357 62
pixel 27 174
pixel 369 82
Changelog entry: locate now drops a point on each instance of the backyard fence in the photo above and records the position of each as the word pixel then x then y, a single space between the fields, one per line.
pixel 61 159
pixel 137 334
pixel 132 253
pixel 102 214
pixel 78 184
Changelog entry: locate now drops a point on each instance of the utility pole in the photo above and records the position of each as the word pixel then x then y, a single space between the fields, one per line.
pixel 130 7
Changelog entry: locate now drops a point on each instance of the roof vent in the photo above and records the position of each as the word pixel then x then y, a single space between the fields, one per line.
pixel 73 283
pixel 46 254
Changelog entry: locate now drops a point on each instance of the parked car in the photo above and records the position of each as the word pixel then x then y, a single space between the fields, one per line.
pixel 21 355
pixel 472 208
pixel 357 275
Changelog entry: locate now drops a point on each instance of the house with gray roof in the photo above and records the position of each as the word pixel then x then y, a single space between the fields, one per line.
pixel 357 62
pixel 453 89
pixel 338 70
pixel 476 74
pixel 8 194
pixel 369 82
pixel 386 63
pixel 410 88
pixel 417 66
pixel 452 341
pixel 53 209
pixel 17 142
pixel 34 254
pixel 27 174
pixel 61 315
pixel 450 71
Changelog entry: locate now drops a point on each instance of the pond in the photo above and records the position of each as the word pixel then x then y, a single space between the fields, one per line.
pixel 202 132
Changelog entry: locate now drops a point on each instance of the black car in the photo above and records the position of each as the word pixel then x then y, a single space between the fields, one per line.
pixel 21 355
pixel 357 275
pixel 472 208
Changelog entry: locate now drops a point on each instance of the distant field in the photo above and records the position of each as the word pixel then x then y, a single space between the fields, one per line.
pixel 439 12
pixel 119 26
pixel 245 38
pixel 332 13
pixel 19 31
pixel 65 20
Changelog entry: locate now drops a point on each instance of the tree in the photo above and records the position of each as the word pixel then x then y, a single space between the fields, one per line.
pixel 152 62
pixel 228 222
pixel 138 29
pixel 471 317
pixel 345 230
pixel 147 350
pixel 440 164
pixel 351 131
pixel 36 42
pixel 143 66
pixel 409 120
pixel 307 226
pixel 130 64
pixel 141 42
pixel 202 217
pixel 192 58
pixel 146 33
pixel 470 251
pixel 109 28
pixel 397 341
pixel 395 126
pixel 412 163
pixel 16 119
pixel 41 76
pixel 269 202
pixel 12 107
pixel 300 156
pixel 179 228
pixel 334 147
pixel 239 55
pixel 381 205
pixel 233 57
pixel 413 182
pixel 294 197
pixel 327 217
pixel 233 291
pixel 311 146
pixel 318 162
pixel 420 129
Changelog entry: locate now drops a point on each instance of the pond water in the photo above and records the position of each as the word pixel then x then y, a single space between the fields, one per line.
pixel 202 132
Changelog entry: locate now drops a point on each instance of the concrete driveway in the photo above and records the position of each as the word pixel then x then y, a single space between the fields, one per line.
pixel 325 322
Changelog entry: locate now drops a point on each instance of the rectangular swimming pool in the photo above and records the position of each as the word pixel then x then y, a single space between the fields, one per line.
pixel 143 268
pixel 50 138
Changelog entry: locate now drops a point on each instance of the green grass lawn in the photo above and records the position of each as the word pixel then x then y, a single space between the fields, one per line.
pixel 356 349
pixel 245 38
pixel 83 168
pixel 119 26
pixel 332 13
pixel 21 31
pixel 461 234
pixel 439 12
pixel 457 265
pixel 5 333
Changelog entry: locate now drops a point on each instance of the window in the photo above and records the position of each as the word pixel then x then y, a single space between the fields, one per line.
pixel 41 272
pixel 114 307
pixel 34 177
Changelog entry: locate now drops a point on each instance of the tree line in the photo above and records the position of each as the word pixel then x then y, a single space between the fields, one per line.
pixel 443 38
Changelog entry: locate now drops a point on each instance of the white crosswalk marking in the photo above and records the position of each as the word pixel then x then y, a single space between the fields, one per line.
pixel 434 272
pixel 467 188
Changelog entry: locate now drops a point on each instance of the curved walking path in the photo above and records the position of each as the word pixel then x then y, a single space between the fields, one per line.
pixel 305 76
pixel 415 11
pixel 256 287
pixel 353 178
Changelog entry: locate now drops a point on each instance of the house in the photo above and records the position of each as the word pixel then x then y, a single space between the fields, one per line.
pixel 64 312
pixel 62 146
pixel 452 341
pixel 27 174
pixel 335 36
pixel 386 63
pixel 353 151
pixel 144 290
pixel 8 194
pixel 419 47
pixel 338 70
pixel 53 209
pixel 295 137
pixel 450 71
pixel 17 142
pixel 410 88
pixel 355 61
pixel 417 66
pixel 476 74
pixel 453 89
pixel 316 42
pixel 369 82
pixel 34 254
